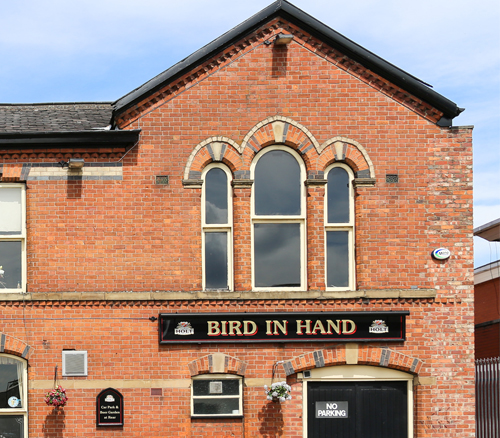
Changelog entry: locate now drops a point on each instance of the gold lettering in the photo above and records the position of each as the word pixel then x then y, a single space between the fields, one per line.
pixel 301 325
pixel 224 328
pixel 269 327
pixel 318 326
pixel 331 325
pixel 234 328
pixel 213 328
pixel 247 331
pixel 345 329
pixel 282 327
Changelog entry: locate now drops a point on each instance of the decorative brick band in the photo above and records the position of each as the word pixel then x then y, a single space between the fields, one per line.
pixel 217 363
pixel 381 357
pixel 14 346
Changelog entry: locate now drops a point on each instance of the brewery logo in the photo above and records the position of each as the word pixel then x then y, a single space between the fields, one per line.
pixel 378 326
pixel 109 398
pixel 184 328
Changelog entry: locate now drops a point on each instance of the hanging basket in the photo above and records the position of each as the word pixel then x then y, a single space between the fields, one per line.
pixel 279 392
pixel 57 397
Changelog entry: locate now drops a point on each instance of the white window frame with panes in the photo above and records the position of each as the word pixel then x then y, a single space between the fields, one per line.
pixel 222 227
pixel 277 219
pixel 217 396
pixel 12 237
pixel 16 406
pixel 345 255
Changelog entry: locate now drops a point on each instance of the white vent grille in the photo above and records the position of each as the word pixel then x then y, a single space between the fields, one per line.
pixel 74 363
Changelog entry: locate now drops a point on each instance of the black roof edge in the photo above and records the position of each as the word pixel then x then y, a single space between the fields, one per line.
pixel 73 139
pixel 321 31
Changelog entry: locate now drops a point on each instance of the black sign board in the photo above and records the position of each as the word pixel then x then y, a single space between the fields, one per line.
pixel 332 409
pixel 177 328
pixel 109 408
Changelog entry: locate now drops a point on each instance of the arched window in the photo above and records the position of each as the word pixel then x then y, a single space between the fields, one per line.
pixel 217 228
pixel 278 219
pixel 339 227
pixel 13 397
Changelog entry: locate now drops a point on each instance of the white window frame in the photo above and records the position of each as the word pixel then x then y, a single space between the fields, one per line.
pixel 218 377
pixel 344 226
pixel 300 219
pixel 24 396
pixel 21 237
pixel 212 228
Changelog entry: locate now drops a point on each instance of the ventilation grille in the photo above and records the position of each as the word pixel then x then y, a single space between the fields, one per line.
pixel 391 178
pixel 74 363
pixel 162 180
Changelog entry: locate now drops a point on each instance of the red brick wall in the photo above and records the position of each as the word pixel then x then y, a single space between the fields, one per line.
pixel 487 341
pixel 133 235
pixel 487 301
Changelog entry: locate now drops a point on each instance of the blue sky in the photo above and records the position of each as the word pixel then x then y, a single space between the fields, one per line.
pixel 69 51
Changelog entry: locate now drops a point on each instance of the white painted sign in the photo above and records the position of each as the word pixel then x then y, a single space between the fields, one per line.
pixel 332 409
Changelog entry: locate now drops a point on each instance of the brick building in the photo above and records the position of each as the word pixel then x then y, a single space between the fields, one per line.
pixel 263 211
pixel 487 298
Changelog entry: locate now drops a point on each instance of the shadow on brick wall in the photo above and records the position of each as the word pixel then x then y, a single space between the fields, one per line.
pixel 54 425
pixel 271 420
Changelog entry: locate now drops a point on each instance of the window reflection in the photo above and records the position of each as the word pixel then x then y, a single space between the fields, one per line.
pixel 216 275
pixel 338 196
pixel 337 244
pixel 277 184
pixel 216 209
pixel 277 254
pixel 10 264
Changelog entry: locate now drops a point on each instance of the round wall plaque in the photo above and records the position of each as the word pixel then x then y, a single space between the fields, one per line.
pixel 441 254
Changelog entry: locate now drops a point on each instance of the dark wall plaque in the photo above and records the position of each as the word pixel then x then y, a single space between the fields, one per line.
pixel 109 408
pixel 282 327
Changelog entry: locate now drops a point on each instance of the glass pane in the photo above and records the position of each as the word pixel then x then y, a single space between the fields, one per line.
pixel 229 387
pixel 216 197
pixel 216 260
pixel 277 255
pixel 9 388
pixel 10 265
pixel 221 406
pixel 277 184
pixel 11 426
pixel 337 258
pixel 10 210
pixel 338 196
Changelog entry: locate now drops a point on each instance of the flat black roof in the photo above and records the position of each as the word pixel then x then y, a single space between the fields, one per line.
pixel 286 10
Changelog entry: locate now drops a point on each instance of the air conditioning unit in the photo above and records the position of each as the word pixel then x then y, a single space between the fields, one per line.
pixel 74 363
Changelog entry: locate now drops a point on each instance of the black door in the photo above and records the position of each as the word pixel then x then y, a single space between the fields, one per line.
pixel 357 410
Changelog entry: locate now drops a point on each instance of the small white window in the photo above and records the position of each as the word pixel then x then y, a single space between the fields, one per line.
pixel 339 228
pixel 14 397
pixel 217 219
pixel 278 220
pixel 217 395
pixel 12 238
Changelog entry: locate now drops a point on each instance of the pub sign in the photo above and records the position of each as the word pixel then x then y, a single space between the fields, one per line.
pixel 177 328
pixel 109 408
